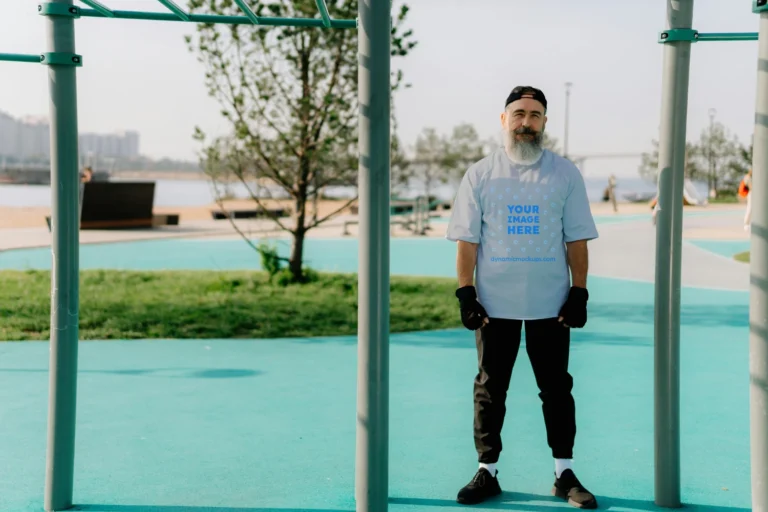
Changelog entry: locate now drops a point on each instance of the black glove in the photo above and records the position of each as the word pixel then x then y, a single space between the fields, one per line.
pixel 472 312
pixel 574 311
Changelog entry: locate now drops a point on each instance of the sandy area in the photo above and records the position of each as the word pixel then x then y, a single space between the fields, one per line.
pixel 23 217
pixel 26 227
pixel 30 217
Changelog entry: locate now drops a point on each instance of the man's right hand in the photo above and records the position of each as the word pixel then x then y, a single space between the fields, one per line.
pixel 473 314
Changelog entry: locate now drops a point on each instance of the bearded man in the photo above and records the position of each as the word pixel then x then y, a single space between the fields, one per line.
pixel 521 220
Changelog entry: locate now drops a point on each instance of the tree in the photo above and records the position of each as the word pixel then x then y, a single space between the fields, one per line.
pixel 649 165
pixel 430 163
pixel 464 147
pixel 399 165
pixel 717 158
pixel 720 159
pixel 440 158
pixel 290 95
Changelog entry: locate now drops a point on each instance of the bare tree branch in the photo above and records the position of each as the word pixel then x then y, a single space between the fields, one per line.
pixel 291 96
pixel 333 213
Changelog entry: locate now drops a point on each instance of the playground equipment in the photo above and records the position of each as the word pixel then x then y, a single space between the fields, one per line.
pixel 677 40
pixel 415 219
pixel 373 25
pixel 691 196
pixel 421 215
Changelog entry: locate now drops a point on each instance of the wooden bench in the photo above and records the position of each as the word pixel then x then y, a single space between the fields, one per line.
pixel 119 205
pixel 256 213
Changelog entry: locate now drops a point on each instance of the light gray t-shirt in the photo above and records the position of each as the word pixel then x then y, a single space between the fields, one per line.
pixel 522 215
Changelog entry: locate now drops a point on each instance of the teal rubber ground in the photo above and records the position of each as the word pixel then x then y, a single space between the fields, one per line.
pixel 727 248
pixel 269 425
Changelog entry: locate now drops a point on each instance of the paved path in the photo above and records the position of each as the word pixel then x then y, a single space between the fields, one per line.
pixel 269 425
pixel 628 251
pixel 625 249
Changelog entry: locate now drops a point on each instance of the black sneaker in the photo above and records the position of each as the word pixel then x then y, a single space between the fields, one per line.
pixel 570 489
pixel 482 487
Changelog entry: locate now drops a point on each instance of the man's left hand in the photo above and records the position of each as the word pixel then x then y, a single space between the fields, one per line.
pixel 574 311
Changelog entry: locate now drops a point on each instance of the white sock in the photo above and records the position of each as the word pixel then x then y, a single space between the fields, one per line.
pixel 561 465
pixel 490 467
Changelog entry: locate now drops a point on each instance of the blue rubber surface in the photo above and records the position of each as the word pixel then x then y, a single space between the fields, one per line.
pixel 728 248
pixel 424 256
pixel 269 425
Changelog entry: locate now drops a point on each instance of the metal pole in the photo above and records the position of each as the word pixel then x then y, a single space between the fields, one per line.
pixel 371 475
pixel 65 188
pixel 677 57
pixel 711 191
pixel 758 296
pixel 567 117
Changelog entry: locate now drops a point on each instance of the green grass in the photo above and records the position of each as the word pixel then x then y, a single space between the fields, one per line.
pixel 742 257
pixel 131 305
pixel 725 199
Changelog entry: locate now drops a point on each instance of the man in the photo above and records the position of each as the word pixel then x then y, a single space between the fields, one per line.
pixel 521 218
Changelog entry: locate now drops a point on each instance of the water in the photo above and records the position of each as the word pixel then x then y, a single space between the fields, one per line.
pixel 178 193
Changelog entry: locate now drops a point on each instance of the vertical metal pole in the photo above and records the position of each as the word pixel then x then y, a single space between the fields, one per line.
pixel 371 475
pixel 677 57
pixel 711 191
pixel 567 117
pixel 65 188
pixel 758 296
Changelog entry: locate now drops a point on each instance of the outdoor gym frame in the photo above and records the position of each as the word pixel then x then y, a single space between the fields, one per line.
pixel 677 39
pixel 374 41
pixel 374 24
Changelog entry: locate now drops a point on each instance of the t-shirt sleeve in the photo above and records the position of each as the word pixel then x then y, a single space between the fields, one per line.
pixel 578 223
pixel 466 215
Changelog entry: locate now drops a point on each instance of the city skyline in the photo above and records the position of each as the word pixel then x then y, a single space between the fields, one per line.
pixel 608 50
pixel 28 137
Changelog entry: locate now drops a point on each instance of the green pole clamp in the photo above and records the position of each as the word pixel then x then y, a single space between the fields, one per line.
pixel 52 9
pixel 679 34
pixel 62 59
pixel 759 6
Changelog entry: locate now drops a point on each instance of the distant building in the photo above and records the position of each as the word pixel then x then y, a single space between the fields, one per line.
pixel 121 144
pixel 9 137
pixel 29 138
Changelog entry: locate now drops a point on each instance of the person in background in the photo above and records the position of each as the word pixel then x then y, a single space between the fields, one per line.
pixel 521 220
pixel 745 191
pixel 86 175
pixel 610 192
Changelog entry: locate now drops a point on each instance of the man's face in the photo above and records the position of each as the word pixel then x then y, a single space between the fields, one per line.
pixel 524 115
pixel 523 122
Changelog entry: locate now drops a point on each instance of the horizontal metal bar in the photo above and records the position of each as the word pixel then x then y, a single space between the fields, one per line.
pixel 99 7
pixel 727 36
pixel 175 9
pixel 17 57
pixel 213 18
pixel 324 13
pixel 248 12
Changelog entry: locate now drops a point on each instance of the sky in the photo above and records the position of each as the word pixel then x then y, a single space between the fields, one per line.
pixel 139 75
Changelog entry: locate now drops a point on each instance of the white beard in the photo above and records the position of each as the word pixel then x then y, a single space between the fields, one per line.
pixel 521 152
